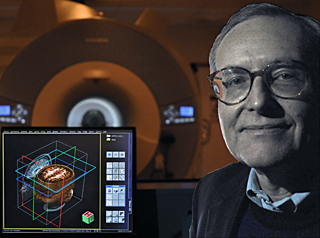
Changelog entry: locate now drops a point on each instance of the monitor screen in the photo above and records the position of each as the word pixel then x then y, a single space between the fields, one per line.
pixel 68 180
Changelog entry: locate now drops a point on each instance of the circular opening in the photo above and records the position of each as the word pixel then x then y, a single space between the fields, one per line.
pixel 116 92
pixel 95 112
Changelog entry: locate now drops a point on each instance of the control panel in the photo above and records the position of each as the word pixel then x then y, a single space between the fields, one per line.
pixel 13 114
pixel 178 114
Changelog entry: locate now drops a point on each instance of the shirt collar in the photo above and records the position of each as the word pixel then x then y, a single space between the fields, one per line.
pixel 258 196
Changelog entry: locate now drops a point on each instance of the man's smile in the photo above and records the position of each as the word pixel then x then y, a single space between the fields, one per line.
pixel 265 129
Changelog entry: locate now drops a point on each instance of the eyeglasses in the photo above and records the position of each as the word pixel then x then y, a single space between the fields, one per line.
pixel 285 79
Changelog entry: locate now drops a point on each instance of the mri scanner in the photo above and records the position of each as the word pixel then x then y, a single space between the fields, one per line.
pixel 64 65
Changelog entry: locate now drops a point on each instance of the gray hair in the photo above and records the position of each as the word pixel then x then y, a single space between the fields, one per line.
pixel 310 30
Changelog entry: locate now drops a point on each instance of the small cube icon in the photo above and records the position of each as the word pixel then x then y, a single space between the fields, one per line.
pixel 87 217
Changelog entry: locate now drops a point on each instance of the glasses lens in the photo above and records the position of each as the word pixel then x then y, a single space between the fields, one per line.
pixel 231 85
pixel 286 79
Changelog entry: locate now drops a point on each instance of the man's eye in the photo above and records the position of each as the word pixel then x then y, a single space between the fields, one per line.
pixel 236 81
pixel 284 75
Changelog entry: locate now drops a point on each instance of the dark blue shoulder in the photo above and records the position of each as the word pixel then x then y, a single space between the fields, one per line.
pixel 232 175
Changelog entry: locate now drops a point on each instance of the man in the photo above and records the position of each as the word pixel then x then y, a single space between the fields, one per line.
pixel 265 73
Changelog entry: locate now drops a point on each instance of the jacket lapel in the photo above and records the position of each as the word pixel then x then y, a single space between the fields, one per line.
pixel 223 213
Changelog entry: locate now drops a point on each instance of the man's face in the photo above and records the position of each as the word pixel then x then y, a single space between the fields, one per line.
pixel 263 130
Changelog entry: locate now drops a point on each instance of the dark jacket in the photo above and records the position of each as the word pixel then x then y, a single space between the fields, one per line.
pixel 218 199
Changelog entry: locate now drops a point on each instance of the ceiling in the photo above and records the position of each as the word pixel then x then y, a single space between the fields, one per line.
pixel 192 24
pixel 178 12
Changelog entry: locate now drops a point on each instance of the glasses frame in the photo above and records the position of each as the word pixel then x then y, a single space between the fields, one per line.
pixel 254 74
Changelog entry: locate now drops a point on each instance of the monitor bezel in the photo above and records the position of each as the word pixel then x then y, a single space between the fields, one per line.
pixel 76 234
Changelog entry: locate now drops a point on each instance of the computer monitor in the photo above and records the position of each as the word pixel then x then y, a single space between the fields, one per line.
pixel 68 180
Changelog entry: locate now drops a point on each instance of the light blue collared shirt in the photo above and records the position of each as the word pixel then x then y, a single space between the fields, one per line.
pixel 256 194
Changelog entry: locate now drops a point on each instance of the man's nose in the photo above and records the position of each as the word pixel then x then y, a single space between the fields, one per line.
pixel 260 97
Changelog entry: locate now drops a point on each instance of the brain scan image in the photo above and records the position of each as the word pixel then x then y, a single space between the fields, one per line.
pixel 53 181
